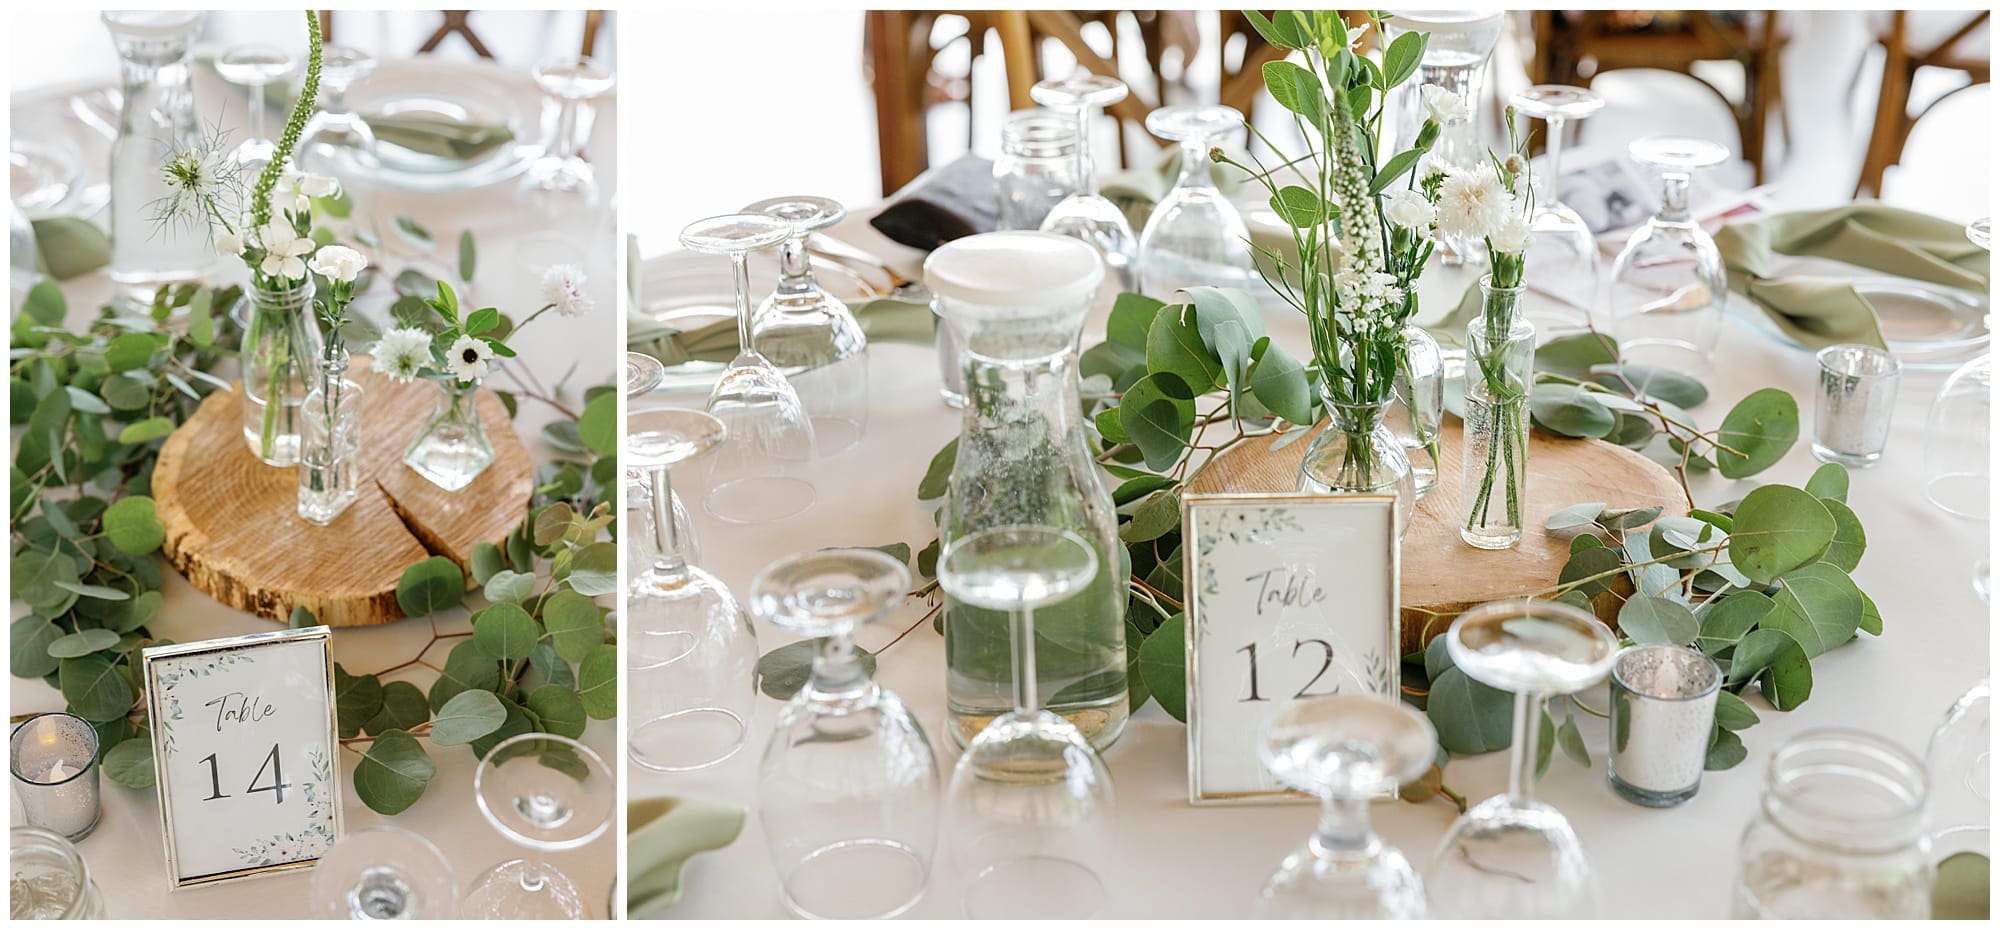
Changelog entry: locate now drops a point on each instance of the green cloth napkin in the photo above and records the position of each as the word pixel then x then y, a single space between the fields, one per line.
pixel 443 138
pixel 661 835
pixel 883 319
pixel 1822 310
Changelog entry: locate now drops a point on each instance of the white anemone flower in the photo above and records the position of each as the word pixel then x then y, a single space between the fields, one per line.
pixel 562 288
pixel 402 353
pixel 1472 203
pixel 469 359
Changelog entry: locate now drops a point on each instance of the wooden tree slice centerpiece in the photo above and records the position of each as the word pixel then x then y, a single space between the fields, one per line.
pixel 1442 576
pixel 232 523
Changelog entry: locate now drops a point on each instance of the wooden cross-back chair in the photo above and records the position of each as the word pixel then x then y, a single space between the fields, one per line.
pixel 903 46
pixel 1575 46
pixel 1902 56
pixel 459 22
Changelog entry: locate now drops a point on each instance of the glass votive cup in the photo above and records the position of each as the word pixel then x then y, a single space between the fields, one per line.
pixel 1857 397
pixel 1662 710
pixel 48 879
pixel 951 363
pixel 54 760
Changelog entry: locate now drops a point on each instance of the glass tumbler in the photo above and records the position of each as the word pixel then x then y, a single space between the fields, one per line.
pixel 1857 397
pixel 54 760
pixel 1840 833
pixel 1662 711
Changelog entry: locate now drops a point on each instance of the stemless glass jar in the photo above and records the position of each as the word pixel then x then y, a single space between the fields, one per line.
pixel 1840 833
pixel 1499 365
pixel 48 879
pixel 330 443
pixel 156 121
pixel 1015 301
pixel 1036 168
pixel 453 448
pixel 281 351
pixel 1358 454
pixel 1418 413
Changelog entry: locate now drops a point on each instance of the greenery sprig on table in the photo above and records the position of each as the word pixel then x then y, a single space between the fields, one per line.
pixel 92 407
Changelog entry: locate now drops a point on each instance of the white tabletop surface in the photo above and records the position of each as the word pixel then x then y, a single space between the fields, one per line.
pixel 1177 861
pixel 125 853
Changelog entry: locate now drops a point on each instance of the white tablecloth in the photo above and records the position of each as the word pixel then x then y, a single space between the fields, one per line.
pixel 125 853
pixel 1175 861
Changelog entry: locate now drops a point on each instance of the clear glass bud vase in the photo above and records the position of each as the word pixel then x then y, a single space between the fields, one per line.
pixel 1358 454
pixel 330 443
pixel 281 347
pixel 453 448
pixel 1418 412
pixel 1499 366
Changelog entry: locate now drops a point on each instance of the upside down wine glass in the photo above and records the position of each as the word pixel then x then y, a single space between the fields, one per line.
pixel 643 373
pixel 848 787
pixel 1195 236
pixel 384 873
pixel 1031 802
pixel 1667 285
pixel 810 334
pixel 1087 214
pixel 1347 750
pixel 1562 255
pixel 1511 856
pixel 560 186
pixel 256 66
pixel 690 652
pixel 755 476
pixel 337 141
pixel 547 793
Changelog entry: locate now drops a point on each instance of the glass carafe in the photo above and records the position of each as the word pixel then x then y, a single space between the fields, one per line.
pixel 281 351
pixel 1016 302
pixel 157 120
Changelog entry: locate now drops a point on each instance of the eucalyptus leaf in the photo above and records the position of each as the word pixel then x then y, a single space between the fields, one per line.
pixel 1175 346
pixel 28 653
pixel 432 585
pixel 130 763
pixel 574 624
pixel 94 688
pixel 404 707
pixel 1726 752
pixel 356 700
pixel 1733 713
pixel 1657 620
pixel 1163 664
pixel 1818 605
pixel 133 525
pixel 504 631
pixel 937 476
pixel 559 710
pixel 413 231
pixel 1828 482
pixel 1470 717
pixel 1727 620
pixel 467 717
pixel 1569 410
pixel 597 682
pixel 594 573
pixel 1850 539
pixel 393 773
pixel 1777 529
pixel 82 643
pixel 1758 432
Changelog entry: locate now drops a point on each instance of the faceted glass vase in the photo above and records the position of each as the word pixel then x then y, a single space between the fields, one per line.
pixel 453 448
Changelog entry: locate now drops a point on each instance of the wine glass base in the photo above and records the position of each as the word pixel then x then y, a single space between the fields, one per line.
pixel 688 740
pixel 1677 354
pixel 760 499
pixel 1380 887
pixel 1034 888
pixel 858 879
pixel 1501 860
pixel 834 435
pixel 522 890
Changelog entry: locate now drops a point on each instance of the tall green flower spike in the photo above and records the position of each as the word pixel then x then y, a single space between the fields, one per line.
pixel 260 198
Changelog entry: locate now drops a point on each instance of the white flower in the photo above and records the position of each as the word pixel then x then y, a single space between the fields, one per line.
pixel 1512 234
pixel 228 243
pixel 318 185
pixel 301 205
pixel 402 353
pixel 1408 208
pixel 338 263
pixel 468 359
pixel 562 287
pixel 284 252
pixel 1472 203
pixel 1444 105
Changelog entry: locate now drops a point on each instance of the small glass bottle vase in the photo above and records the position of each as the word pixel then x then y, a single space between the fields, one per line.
pixel 1418 412
pixel 330 444
pixel 1499 366
pixel 1358 454
pixel 453 448
pixel 281 348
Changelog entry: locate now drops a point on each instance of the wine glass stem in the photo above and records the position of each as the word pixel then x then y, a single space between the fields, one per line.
pixel 256 115
pixel 1674 197
pixel 565 128
pixel 1555 152
pixel 1344 831
pixel 1086 184
pixel 1024 661
pixel 740 264
pixel 835 671
pixel 1527 747
pixel 1194 164
pixel 668 561
pixel 795 275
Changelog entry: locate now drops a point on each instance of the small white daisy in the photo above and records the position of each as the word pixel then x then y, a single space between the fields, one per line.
pixel 402 353
pixel 468 359
pixel 562 288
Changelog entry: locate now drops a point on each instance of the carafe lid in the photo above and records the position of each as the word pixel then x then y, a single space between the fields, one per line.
pixel 1015 268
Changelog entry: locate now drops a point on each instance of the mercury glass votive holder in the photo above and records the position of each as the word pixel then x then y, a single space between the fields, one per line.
pixel 54 760
pixel 1857 396
pixel 1662 709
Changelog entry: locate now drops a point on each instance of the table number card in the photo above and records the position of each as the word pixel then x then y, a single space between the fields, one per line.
pixel 1288 596
pixel 245 747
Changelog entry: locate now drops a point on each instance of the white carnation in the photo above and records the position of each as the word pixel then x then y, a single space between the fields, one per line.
pixel 339 263
pixel 1472 203
pixel 1409 209
pixel 1512 234
pixel 1443 105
